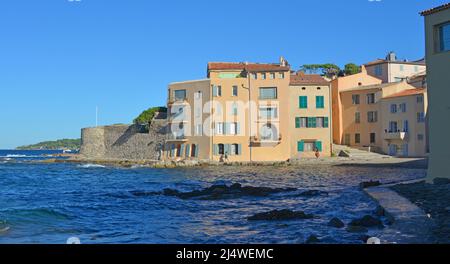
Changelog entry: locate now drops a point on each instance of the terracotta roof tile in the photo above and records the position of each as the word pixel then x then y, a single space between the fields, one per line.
pixel 301 78
pixel 251 67
pixel 436 9
pixel 407 93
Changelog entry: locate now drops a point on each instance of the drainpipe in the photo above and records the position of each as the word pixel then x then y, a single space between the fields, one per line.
pixel 250 116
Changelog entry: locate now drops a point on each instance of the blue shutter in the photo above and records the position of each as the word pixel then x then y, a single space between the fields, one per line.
pixel 238 128
pixel 181 150
pixel 188 151
pixel 172 150
pixel 215 91
pixel 319 145
pixel 300 146
pixel 196 150
pixel 227 149
pixel 239 149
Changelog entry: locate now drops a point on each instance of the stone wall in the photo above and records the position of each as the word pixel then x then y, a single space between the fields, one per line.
pixel 130 142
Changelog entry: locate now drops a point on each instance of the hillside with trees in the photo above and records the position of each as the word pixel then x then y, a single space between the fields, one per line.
pixel 73 144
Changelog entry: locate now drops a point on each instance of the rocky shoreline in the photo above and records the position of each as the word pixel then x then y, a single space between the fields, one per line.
pixel 337 161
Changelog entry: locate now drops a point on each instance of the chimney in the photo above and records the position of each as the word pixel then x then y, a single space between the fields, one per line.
pixel 391 56
pixel 283 62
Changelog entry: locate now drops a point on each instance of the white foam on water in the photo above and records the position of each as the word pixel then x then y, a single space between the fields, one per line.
pixel 87 166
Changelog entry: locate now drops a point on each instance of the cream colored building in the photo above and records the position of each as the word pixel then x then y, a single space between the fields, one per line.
pixel 404 123
pixel 246 112
pixel 392 69
pixel 364 115
pixel 437 36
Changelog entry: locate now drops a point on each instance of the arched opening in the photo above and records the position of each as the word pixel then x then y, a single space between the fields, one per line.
pixel 269 132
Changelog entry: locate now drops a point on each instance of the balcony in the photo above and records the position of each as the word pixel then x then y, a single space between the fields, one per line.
pixel 173 137
pixel 395 135
pixel 259 141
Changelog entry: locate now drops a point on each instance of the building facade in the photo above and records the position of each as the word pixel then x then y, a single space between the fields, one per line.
pixel 365 115
pixel 391 69
pixel 437 36
pixel 244 112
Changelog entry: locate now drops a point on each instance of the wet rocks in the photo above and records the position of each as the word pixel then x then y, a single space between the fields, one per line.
pixel 367 221
pixel 441 181
pixel 278 215
pixel 312 239
pixel 380 211
pixel 236 190
pixel 364 185
pixel 336 223
pixel 140 194
pixel 312 193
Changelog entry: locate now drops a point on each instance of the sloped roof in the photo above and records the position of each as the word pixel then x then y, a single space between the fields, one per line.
pixel 251 67
pixel 435 9
pixel 369 87
pixel 407 93
pixel 300 78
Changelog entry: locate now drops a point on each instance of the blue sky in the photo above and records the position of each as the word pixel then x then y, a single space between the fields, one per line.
pixel 60 59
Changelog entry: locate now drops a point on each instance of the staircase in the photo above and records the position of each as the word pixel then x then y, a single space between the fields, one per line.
pixel 362 153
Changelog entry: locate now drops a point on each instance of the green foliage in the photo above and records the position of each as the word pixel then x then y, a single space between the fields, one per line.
pixel 53 145
pixel 147 116
pixel 327 69
pixel 351 69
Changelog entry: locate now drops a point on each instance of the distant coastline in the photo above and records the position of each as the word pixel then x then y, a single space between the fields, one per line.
pixel 61 144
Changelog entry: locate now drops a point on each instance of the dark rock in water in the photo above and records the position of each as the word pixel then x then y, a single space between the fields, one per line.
pixel 380 211
pixel 278 215
pixel 336 222
pixel 441 181
pixel 364 185
pixel 143 193
pixel 357 229
pixel 367 221
pixel 312 193
pixel 312 239
pixel 236 190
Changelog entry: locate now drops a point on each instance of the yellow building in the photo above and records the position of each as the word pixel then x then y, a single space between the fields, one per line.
pixel 364 115
pixel 246 112
pixel 437 36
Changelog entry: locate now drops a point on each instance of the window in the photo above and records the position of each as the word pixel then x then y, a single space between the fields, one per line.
pixel 272 75
pixel 234 91
pixel 281 75
pixel 309 146
pixel 235 149
pixel 268 93
pixel 263 76
pixel 393 127
pixel 371 98
pixel 420 99
pixel 301 122
pixel 311 122
pixel 303 102
pixel 378 70
pixel 355 99
pixel 219 128
pixel 268 112
pixel 221 149
pixel 373 137
pixel 357 138
pixel 443 37
pixel 420 137
pixel 372 116
pixel 320 102
pixel 180 95
pixel 405 126
pixel 322 122
pixel 217 90
pixel 254 76
pixel 421 117
pixel 403 107
pixel 393 108
pixel 198 95
pixel 233 128
pixel 357 117
pixel 269 132
pixel 234 109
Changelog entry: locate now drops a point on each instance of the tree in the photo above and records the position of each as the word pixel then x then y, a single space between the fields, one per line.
pixel 329 70
pixel 146 116
pixel 351 69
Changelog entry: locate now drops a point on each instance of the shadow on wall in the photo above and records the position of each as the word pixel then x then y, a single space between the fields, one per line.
pixel 129 133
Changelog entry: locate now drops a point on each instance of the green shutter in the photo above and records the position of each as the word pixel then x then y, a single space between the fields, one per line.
pixel 181 150
pixel 225 128
pixel 297 122
pixel 215 149
pixel 196 150
pixel 325 122
pixel 188 151
pixel 303 102
pixel 319 145
pixel 300 146
pixel 312 122
pixel 320 102
pixel 227 149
